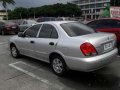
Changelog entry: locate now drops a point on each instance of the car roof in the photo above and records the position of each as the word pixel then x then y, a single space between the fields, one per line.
pixel 110 18
pixel 28 20
pixel 55 22
pixel 103 19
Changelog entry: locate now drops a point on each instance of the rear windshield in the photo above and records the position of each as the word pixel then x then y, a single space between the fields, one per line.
pixel 31 22
pixel 76 29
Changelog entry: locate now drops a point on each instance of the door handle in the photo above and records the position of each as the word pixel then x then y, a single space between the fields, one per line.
pixel 32 42
pixel 51 43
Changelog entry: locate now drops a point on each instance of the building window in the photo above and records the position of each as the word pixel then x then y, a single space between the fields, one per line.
pixel 99 5
pixel 92 0
pixel 92 6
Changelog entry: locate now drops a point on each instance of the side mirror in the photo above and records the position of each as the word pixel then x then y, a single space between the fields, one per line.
pixel 20 34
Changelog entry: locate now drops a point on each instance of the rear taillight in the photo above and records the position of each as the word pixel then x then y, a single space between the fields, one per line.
pixel 88 49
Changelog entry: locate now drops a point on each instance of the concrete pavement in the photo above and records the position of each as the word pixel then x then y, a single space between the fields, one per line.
pixel 30 74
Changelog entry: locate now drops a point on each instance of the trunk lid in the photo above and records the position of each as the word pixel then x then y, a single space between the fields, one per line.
pixel 103 42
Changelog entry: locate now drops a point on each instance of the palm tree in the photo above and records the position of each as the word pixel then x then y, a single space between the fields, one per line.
pixel 4 3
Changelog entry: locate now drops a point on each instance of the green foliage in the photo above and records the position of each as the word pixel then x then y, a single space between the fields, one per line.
pixel 55 10
pixel 115 3
pixel 107 11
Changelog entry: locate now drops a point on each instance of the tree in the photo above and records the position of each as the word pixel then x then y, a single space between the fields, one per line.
pixel 115 2
pixel 107 11
pixel 5 2
pixel 56 10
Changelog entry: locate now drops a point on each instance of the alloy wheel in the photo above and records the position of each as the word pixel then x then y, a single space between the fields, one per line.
pixel 57 65
pixel 14 51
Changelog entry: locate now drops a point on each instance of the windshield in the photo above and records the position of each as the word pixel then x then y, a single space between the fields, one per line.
pixel 76 29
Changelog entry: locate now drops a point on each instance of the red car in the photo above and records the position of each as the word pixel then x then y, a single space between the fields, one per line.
pixel 110 25
pixel 8 27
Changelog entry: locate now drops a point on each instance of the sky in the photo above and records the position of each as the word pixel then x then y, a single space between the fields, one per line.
pixel 34 3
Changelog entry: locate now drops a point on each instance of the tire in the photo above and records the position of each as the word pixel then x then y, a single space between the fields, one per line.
pixel 16 32
pixel 119 50
pixel 58 65
pixel 14 51
pixel 3 32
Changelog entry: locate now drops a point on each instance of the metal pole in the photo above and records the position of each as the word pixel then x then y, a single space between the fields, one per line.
pixel 20 16
pixel 114 2
pixel 6 13
pixel 89 10
pixel 95 9
pixel 27 14
pixel 34 14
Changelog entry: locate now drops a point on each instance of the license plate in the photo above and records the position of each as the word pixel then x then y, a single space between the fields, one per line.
pixel 108 46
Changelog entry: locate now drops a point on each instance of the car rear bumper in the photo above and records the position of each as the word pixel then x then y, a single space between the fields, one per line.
pixel 92 63
pixel 11 30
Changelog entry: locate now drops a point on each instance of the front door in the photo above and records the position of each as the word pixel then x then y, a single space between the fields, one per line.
pixel 27 43
pixel 46 42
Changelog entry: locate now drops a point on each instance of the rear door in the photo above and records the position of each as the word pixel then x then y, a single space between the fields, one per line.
pixel 46 42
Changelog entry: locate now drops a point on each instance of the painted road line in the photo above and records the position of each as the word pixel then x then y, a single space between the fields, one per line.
pixel 20 62
pixel 118 56
pixel 35 76
pixel 3 53
pixel 3 43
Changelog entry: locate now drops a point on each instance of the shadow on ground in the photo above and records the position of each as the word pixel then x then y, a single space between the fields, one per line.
pixel 75 80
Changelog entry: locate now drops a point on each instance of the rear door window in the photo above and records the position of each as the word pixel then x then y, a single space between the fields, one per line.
pixel 48 31
pixel 24 23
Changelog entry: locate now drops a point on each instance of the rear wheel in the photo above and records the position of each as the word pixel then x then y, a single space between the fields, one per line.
pixel 14 51
pixel 58 65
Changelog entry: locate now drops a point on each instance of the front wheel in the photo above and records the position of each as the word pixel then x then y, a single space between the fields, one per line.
pixel 58 65
pixel 14 51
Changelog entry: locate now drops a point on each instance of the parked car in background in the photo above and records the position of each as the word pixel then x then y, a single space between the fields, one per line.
pixel 43 19
pixel 25 24
pixel 7 27
pixel 63 18
pixel 110 25
pixel 65 45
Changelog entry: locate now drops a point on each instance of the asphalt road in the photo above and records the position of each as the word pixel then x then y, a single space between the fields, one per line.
pixel 30 74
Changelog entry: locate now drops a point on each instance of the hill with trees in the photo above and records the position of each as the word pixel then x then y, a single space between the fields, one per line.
pixel 66 10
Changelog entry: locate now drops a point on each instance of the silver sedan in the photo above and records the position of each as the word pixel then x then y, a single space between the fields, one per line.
pixel 65 45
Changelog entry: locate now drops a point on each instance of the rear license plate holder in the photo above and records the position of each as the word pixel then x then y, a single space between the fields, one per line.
pixel 108 46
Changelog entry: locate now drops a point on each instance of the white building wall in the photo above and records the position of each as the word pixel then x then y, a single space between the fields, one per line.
pixel 2 14
pixel 92 9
